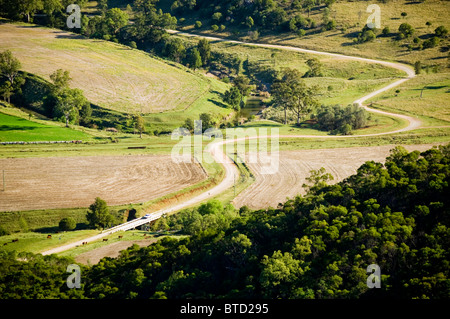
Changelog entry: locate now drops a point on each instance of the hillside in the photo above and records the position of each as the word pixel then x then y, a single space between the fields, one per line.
pixel 111 75
pixel 330 26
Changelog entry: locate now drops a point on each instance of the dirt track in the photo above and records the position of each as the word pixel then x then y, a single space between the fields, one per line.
pixel 66 182
pixel 295 166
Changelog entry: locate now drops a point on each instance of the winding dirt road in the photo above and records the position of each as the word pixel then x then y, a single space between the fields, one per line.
pixel 216 149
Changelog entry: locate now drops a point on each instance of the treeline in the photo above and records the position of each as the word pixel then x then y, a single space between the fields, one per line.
pixel 261 15
pixel 319 245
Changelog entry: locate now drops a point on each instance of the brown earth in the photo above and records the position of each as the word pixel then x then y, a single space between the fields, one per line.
pixel 295 167
pixel 112 250
pixel 68 182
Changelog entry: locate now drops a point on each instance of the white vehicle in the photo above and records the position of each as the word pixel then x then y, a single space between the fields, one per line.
pixel 146 216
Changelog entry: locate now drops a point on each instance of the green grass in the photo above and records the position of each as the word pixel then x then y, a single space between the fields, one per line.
pixel 38 242
pixel 350 17
pixel 14 128
pixel 209 102
pixel 420 136
pixel 343 80
pixel 433 107
pixel 111 75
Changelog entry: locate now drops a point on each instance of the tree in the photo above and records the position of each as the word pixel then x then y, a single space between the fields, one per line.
pixel 366 35
pixel 441 31
pixel 249 22
pixel 233 97
pixel 189 125
pixel 139 124
pixel 405 30
pixel 242 83
pixel 217 16
pixel 9 66
pixel 67 223
pixel 279 273
pixel 98 215
pixel 418 67
pixel 116 19
pixel 175 49
pixel 6 90
pixel 29 7
pixel 69 102
pixel 195 59
pixel 431 42
pixel 60 79
pixel 207 121
pixel 204 48
pixel 291 92
pixel 315 68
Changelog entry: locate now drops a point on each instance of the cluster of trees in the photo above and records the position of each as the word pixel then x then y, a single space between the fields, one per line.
pixel 405 31
pixel 235 96
pixel 59 100
pixel 291 93
pixel 191 56
pixel 319 245
pixel 341 120
pixel 56 99
pixel 11 80
pixel 65 103
pixel 265 15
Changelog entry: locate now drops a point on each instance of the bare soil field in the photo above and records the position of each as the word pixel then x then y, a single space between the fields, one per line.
pixel 69 182
pixel 295 167
pixel 112 250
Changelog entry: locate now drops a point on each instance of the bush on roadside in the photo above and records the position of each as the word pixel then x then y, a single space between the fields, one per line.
pixel 67 224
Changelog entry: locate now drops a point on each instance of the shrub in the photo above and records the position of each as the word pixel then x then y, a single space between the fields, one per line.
pixel 341 120
pixel 406 30
pixel 198 24
pixel 67 223
pixel 440 31
pixel 431 43
pixel 366 35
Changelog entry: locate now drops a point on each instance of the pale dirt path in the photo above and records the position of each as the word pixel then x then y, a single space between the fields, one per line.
pixel 230 169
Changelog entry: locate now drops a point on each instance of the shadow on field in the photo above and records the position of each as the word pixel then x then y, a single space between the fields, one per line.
pixel 56 230
pixel 4 128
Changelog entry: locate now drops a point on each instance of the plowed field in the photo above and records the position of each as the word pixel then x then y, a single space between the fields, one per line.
pixel 68 182
pixel 295 167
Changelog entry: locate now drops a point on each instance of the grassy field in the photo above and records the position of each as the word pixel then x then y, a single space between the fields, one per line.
pixel 351 16
pixel 38 242
pixel 14 128
pixel 427 96
pixel 111 75
pixel 343 81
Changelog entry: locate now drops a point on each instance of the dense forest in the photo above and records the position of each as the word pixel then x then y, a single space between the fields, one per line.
pixel 319 245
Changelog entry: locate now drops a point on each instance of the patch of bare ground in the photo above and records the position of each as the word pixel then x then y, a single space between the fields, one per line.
pixel 92 257
pixel 295 166
pixel 68 182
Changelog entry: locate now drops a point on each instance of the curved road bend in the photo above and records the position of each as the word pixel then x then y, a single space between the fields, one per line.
pixel 230 169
